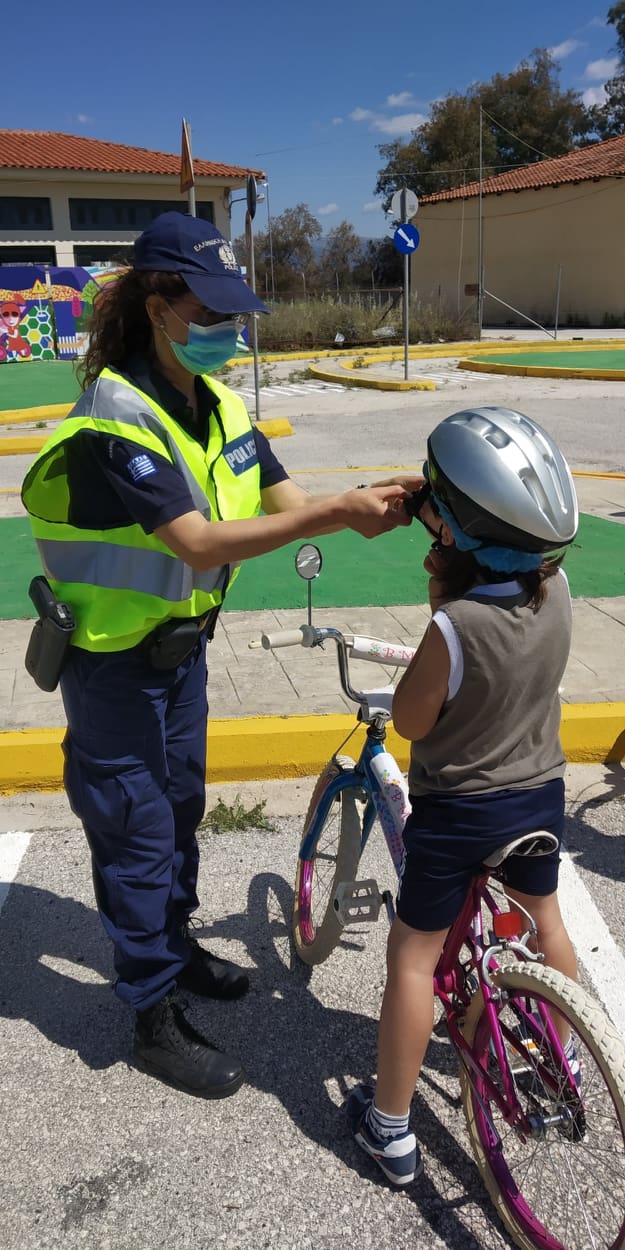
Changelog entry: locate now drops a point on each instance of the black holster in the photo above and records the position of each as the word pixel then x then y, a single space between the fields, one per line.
pixel 174 641
pixel 51 637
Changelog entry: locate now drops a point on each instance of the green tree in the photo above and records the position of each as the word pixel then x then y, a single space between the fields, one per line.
pixel 609 118
pixel 526 116
pixel 341 252
pixel 290 248
pixel 380 266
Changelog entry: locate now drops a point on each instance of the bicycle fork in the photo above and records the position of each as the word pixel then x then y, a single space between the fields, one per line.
pixel 358 901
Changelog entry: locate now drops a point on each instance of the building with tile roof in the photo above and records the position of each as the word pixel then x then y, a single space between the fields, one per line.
pixel 70 200
pixel 552 239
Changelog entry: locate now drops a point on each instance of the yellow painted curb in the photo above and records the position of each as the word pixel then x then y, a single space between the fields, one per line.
pixel 30 444
pixel 543 371
pixel 277 427
pixel 47 412
pixel 26 446
pixel 374 384
pixel 278 747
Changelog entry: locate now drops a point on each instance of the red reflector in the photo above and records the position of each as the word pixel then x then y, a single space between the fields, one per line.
pixel 507 923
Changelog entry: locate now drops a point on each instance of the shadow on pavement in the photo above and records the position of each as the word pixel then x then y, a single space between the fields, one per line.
pixel 309 1053
pixel 305 1050
pixel 598 852
pixel 68 1007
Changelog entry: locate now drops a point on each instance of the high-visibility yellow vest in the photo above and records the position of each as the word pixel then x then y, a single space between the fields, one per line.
pixel 122 582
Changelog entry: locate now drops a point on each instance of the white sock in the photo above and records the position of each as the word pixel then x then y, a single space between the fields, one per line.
pixel 383 1125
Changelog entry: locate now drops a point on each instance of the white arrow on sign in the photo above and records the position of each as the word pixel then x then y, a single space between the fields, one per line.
pixel 406 237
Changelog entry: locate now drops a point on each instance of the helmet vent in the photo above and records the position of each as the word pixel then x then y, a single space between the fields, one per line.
pixel 497 438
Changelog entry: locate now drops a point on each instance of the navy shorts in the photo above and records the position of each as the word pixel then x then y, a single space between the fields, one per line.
pixel 447 837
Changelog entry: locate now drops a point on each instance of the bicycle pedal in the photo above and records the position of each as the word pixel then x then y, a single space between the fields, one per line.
pixel 356 901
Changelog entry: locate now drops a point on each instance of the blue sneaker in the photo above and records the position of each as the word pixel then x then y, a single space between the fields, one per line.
pixel 398 1157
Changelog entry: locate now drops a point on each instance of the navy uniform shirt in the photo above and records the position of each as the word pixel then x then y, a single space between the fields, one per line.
pixel 114 483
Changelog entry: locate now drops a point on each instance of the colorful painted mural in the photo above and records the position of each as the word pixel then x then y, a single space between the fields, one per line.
pixel 45 310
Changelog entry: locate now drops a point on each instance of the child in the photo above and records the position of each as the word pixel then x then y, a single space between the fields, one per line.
pixel 480 705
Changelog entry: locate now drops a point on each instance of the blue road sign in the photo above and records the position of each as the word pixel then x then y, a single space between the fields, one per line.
pixel 406 239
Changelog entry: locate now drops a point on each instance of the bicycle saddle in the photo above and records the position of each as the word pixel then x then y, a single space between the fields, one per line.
pixel 539 843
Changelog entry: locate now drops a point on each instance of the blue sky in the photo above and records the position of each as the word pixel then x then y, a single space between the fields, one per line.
pixel 304 92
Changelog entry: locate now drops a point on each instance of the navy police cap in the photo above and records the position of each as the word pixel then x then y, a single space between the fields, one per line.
pixel 194 248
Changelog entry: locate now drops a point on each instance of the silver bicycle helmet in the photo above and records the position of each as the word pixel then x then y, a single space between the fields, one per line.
pixel 503 479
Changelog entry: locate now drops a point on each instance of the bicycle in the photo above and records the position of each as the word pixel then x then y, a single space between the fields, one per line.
pixel 549 1146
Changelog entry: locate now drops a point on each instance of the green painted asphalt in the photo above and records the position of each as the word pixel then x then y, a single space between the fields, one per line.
pixel 31 384
pixel 356 573
pixel 604 358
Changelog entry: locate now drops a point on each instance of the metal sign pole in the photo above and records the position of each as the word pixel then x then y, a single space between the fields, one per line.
pixel 406 313
pixel 251 277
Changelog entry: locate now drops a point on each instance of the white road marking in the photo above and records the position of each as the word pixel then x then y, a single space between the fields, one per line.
pixel 277 389
pixel 593 942
pixel 12 849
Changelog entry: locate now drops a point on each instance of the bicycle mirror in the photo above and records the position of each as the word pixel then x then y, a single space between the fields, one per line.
pixel 308 563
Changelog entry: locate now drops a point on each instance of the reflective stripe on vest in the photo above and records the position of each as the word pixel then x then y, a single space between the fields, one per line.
pixel 122 582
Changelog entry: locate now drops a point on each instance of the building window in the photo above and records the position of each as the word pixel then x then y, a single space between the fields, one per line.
pixel 92 254
pixel 26 255
pixel 103 215
pixel 25 212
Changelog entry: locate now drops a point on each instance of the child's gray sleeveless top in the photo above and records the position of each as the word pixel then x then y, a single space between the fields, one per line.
pixel 501 730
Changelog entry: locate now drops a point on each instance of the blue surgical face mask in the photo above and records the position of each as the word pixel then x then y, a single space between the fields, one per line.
pixel 207 347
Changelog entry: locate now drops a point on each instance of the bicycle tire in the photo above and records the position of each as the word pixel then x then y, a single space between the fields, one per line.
pixel 316 929
pixel 552 1191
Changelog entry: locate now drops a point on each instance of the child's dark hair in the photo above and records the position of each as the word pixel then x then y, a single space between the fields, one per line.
pixel 463 571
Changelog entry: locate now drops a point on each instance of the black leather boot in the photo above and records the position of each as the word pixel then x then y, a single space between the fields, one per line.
pixel 210 976
pixel 168 1047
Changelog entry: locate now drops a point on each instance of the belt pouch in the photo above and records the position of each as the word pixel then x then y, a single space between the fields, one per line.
pixel 169 644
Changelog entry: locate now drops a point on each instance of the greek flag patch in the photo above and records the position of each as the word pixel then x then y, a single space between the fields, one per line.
pixel 140 466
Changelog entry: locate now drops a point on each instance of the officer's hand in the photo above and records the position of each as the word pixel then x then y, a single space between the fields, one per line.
pixel 375 509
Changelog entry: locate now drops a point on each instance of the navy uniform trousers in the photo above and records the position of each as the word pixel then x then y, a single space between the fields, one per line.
pixel 135 767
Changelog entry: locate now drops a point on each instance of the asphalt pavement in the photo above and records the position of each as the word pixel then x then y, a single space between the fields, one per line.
pixel 96 1154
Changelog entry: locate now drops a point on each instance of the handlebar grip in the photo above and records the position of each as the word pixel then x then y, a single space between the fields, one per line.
pixel 305 636
pixel 282 638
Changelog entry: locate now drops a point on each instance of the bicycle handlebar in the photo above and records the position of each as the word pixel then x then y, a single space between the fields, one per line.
pixel 374 704
pixel 376 650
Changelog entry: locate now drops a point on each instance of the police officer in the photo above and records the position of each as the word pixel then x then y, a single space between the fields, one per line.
pixel 143 503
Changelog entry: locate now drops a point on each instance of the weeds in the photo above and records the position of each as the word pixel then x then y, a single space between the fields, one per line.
pixel 301 326
pixel 234 817
pixel 298 375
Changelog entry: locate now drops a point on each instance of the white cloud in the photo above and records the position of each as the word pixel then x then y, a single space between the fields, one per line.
pixel 326 209
pixel 597 21
pixel 372 206
pixel 601 69
pixel 396 101
pixel 402 124
pixel 337 121
pixel 84 119
pixel 564 49
pixel 593 95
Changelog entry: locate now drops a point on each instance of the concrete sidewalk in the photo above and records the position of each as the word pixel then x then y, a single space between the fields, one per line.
pixel 297 694
pixel 283 714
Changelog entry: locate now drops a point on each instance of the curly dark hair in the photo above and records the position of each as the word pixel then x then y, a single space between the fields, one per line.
pixel 463 571
pixel 119 326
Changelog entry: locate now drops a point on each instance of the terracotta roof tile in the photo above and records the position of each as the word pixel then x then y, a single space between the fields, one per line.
pixel 600 160
pixel 49 149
